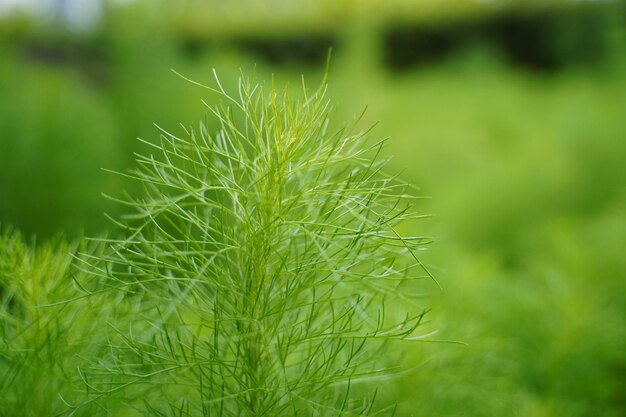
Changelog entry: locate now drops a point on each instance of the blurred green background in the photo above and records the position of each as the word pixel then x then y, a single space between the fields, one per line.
pixel 510 115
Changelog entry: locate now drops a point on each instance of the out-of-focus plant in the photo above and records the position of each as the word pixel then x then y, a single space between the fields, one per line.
pixel 41 336
pixel 260 263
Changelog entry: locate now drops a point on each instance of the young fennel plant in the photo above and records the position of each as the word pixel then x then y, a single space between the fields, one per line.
pixel 259 263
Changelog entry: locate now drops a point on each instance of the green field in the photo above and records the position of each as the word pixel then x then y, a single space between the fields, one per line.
pixel 521 168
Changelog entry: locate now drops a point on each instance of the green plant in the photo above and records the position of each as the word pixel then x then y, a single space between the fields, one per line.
pixel 41 335
pixel 258 267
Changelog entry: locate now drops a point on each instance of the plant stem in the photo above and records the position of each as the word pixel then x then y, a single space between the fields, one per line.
pixel 269 203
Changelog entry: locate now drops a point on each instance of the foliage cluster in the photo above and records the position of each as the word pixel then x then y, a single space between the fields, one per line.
pixel 252 278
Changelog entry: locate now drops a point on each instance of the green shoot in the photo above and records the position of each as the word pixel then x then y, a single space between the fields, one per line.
pixel 41 335
pixel 259 268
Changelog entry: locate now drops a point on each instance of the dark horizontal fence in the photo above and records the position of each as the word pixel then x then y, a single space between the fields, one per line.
pixel 89 56
pixel 302 49
pixel 546 40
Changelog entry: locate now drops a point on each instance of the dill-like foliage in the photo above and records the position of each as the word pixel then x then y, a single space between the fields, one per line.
pixel 41 335
pixel 258 266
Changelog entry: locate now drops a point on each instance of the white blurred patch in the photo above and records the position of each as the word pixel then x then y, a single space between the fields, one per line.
pixel 77 15
pixel 7 6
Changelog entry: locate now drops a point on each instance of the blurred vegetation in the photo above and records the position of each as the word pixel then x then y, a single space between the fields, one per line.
pixel 510 118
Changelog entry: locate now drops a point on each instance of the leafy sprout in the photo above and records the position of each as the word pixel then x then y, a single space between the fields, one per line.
pixel 258 268
pixel 42 336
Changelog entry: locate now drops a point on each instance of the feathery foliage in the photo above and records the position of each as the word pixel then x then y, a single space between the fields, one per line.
pixel 257 266
pixel 41 336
